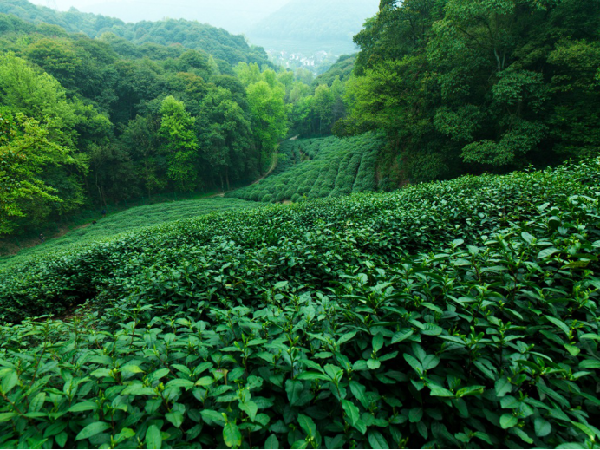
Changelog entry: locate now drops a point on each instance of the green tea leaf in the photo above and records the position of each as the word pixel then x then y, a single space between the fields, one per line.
pixel 503 387
pixel 377 342
pixel 272 442
pixel 542 428
pixel 153 437
pixel 508 421
pixel 376 440
pixel 88 405
pixel 92 429
pixel 307 424
pixel 232 435
pixel 351 411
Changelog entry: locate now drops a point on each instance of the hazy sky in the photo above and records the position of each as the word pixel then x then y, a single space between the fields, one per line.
pixel 234 15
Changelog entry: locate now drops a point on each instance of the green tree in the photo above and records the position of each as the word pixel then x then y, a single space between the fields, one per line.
pixel 180 144
pixel 25 152
pixel 225 136
pixel 268 118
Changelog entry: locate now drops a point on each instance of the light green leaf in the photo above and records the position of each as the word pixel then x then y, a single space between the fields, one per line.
pixel 590 364
pixel 232 435
pixel 92 429
pixel 508 421
pixel 312 376
pixel 250 408
pixel 158 374
pixel 413 363
pixel 574 351
pixel 9 381
pixel 210 416
pixel 439 391
pixel 359 391
pixel 351 411
pixel 503 387
pixel 542 428
pixel 308 425
pixel 373 364
pixel 204 381
pixel 402 335
pixel 5 417
pixel 38 401
pixel 180 383
pixel 153 437
pixel 176 418
pixel 377 342
pixel 88 405
pixel 376 440
pixel 132 369
pixel 431 329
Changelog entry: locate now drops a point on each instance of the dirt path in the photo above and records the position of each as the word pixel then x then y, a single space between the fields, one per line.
pixel 271 169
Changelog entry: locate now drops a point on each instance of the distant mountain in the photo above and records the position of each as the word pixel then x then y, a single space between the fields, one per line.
pixel 236 16
pixel 309 26
pixel 188 34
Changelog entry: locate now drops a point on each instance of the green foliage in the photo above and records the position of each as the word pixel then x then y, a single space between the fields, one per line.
pixel 266 100
pixel 126 222
pixel 319 168
pixel 153 35
pixel 101 100
pixel 452 314
pixel 477 86
pixel 181 144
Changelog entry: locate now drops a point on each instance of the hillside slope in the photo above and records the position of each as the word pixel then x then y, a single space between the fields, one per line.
pixel 317 168
pixel 189 34
pixel 443 314
pixel 309 26
pixel 129 221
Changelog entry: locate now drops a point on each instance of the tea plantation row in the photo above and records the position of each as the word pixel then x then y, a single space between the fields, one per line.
pixel 317 168
pixel 461 314
pixel 128 221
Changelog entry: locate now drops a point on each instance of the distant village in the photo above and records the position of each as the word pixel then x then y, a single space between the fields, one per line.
pixel 317 63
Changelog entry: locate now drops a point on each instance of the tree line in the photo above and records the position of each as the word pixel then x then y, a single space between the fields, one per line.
pixel 478 85
pixel 82 124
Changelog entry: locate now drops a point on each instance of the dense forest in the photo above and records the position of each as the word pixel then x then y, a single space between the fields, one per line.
pixel 192 35
pixel 471 86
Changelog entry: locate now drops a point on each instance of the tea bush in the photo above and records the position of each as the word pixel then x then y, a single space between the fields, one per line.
pixel 319 168
pixel 130 220
pixel 459 314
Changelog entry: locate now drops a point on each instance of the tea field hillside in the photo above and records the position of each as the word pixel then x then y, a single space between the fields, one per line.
pixel 316 168
pixel 127 221
pixel 457 314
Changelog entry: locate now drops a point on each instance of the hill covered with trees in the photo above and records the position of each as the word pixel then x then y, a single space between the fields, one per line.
pixel 473 86
pixel 187 34
pixel 97 121
pixel 309 26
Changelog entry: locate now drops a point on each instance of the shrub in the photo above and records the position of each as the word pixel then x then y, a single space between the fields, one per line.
pixel 451 314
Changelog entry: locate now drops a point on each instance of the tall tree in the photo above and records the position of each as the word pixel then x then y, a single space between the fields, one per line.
pixel 180 144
